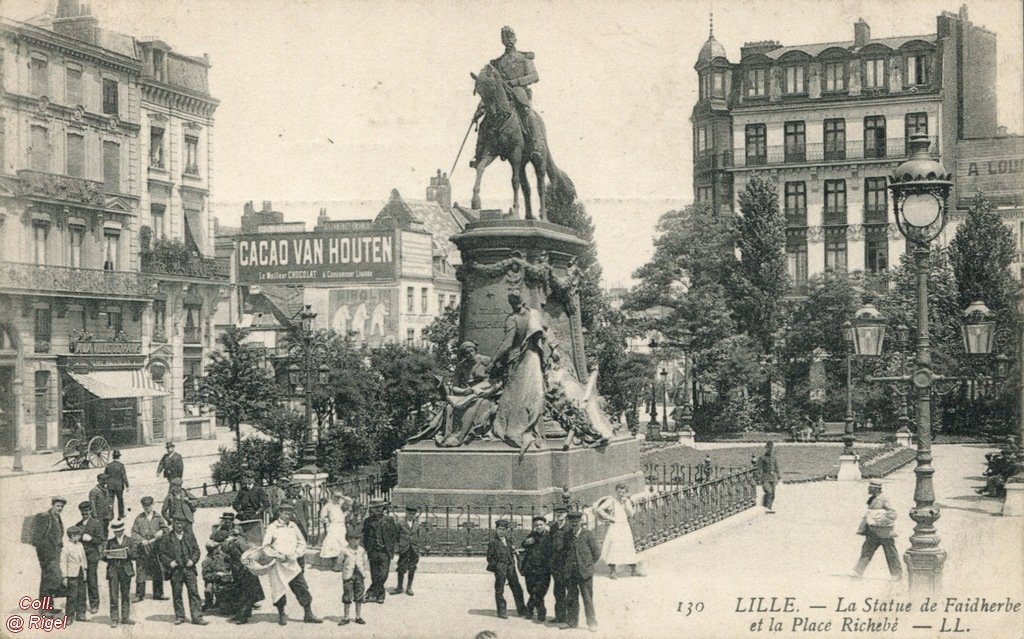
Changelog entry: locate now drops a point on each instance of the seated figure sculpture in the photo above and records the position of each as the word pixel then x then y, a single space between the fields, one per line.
pixel 469 404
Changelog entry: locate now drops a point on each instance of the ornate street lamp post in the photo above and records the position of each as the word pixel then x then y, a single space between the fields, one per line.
pixel 848 436
pixel 310 350
pixel 864 337
pixel 664 398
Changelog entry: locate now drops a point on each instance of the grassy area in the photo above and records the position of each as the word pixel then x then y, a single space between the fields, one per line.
pixel 798 463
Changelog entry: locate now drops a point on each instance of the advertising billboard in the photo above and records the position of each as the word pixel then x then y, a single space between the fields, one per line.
pixel 993 166
pixel 326 257
pixel 370 315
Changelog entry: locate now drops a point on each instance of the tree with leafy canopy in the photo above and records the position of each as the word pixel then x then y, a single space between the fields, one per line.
pixel 406 386
pixel 761 282
pixel 237 383
pixel 443 335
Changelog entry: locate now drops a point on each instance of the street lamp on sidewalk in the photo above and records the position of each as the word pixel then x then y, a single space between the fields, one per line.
pixel 310 350
pixel 664 398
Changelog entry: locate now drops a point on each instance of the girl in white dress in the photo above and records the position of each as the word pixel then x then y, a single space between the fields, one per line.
pixel 618 545
pixel 332 515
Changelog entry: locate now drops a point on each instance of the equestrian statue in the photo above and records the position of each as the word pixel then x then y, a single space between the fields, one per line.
pixel 512 130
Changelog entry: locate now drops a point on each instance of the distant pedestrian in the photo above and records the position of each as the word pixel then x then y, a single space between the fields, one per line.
pixel 537 567
pixel 501 561
pixel 878 528
pixel 117 482
pixel 179 553
pixel 380 537
pixel 148 529
pixel 580 553
pixel 179 504
pixel 72 566
pixel 768 474
pixel 171 464
pixel 99 497
pixel 408 548
pixel 355 568
pixel 48 539
pixel 118 555
pixel 557 530
pixel 618 548
pixel 94 539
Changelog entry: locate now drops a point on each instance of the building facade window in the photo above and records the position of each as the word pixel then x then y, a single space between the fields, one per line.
pixel 835 139
pixel 702 139
pixel 796 262
pixel 110 253
pixel 193 324
pixel 835 252
pixel 113 321
pixel 156 214
pixel 876 201
pixel 757 144
pixel 874 136
pixel 757 82
pixel 110 99
pixel 796 203
pixel 917 69
pixel 718 84
pixel 158 65
pixel 39 149
pixel 39 76
pixel 410 299
pixel 410 336
pixel 424 300
pixel 160 321
pixel 73 86
pixel 835 77
pixel 156 147
pixel 440 302
pixel 835 202
pixel 76 236
pixel 191 155
pixel 44 330
pixel 112 167
pixel 876 254
pixel 873 76
pixel 192 373
pixel 795 80
pixel 796 141
pixel 704 194
pixel 40 235
pixel 75 155
pixel 915 123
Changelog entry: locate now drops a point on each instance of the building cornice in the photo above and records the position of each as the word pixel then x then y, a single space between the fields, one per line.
pixel 178 98
pixel 44 108
pixel 75 48
pixel 816 104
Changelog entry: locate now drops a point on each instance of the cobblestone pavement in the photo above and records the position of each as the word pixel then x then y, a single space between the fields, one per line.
pixel 803 551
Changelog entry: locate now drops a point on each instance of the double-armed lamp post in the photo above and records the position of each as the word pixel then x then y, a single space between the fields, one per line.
pixel 310 350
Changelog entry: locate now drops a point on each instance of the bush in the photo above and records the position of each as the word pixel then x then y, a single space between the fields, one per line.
pixel 343 449
pixel 262 456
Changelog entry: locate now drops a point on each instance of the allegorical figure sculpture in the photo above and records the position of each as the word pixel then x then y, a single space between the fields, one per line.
pixel 511 129
pixel 520 362
pixel 469 403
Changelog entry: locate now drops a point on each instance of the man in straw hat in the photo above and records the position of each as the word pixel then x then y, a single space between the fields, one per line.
pixel 380 536
pixel 878 529
pixel 118 555
pixel 286 543
pixel 94 538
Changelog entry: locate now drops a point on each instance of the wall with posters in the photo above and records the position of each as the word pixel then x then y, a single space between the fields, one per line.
pixel 371 313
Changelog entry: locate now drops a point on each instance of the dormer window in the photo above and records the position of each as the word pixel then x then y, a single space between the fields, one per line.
pixel 874 73
pixel 917 70
pixel 757 82
pixel 158 64
pixel 795 76
pixel 835 77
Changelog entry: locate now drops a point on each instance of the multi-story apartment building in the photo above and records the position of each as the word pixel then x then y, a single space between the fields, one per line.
pixel 828 122
pixel 76 299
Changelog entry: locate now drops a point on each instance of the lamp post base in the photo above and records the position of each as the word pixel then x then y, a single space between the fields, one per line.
pixel 924 569
pixel 686 437
pixel 1013 505
pixel 653 432
pixel 307 460
pixel 849 469
pixel 904 438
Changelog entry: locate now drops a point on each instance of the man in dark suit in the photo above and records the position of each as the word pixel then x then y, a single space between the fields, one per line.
pixel 179 554
pixel 117 482
pixel 408 548
pixel 99 497
pixel 537 566
pixel 380 537
pixel 48 538
pixel 769 474
pixel 118 555
pixel 179 504
pixel 581 552
pixel 251 501
pixel 94 538
pixel 171 464
pixel 557 531
pixel 501 561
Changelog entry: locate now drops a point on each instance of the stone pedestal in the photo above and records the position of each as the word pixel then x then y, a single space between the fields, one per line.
pixel 487 473
pixel 1013 504
pixel 905 438
pixel 849 469
pixel 686 438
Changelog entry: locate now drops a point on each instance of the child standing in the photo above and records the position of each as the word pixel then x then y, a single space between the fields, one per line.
pixel 72 565
pixel 355 567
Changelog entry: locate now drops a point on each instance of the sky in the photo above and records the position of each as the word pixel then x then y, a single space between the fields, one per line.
pixel 335 103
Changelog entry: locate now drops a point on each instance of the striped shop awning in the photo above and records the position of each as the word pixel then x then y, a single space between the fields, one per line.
pixel 119 384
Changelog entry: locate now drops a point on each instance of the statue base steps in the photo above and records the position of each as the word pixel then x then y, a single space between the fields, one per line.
pixel 849 469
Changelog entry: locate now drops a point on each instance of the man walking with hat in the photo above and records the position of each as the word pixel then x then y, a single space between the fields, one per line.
pixel 380 536
pixel 48 538
pixel 148 529
pixel 878 528
pixel 99 497
pixel 118 553
pixel 769 474
pixel 171 464
pixel 117 482
pixel 580 553
pixel 179 553
pixel 408 548
pixel 501 561
pixel 94 538
pixel 179 504
pixel 287 544
pixel 559 527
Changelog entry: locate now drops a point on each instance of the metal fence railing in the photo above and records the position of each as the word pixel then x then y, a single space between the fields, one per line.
pixel 669 477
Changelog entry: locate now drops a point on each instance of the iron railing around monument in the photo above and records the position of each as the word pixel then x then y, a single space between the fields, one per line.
pixel 669 477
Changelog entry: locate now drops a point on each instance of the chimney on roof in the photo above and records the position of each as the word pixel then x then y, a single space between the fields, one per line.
pixel 440 190
pixel 74 19
pixel 267 206
pixel 861 33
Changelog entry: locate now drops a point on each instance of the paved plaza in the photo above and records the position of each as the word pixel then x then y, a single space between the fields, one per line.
pixel 803 552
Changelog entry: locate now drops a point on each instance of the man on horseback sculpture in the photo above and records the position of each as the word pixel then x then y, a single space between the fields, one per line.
pixel 518 73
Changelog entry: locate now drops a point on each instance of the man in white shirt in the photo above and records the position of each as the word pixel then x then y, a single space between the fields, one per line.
pixel 288 545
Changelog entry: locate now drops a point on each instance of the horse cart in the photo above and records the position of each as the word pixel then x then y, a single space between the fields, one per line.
pixel 86 452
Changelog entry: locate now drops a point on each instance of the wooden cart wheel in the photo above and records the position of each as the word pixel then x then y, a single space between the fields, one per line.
pixel 71 453
pixel 98 453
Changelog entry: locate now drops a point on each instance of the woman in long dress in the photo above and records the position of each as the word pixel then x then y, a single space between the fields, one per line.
pixel 618 548
pixel 332 515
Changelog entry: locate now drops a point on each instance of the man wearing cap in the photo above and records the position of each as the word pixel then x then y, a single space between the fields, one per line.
pixel 380 536
pixel 287 543
pixel 878 528
pixel 251 500
pixel 276 494
pixel 179 554
pixel 94 538
pixel 580 553
pixel 502 562
pixel 768 473
pixel 48 538
pixel 171 464
pixel 117 482
pixel 118 553
pixel 537 566
pixel 179 504
pixel 99 497
pixel 557 531
pixel 148 529
pixel 408 548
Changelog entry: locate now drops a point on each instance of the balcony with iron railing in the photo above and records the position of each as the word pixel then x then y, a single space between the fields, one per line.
pixel 818 152
pixel 875 215
pixel 833 216
pixel 18 276
pixel 796 217
pixel 192 335
pixel 174 259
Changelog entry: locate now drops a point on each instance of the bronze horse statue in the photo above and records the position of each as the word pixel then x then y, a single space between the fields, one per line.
pixel 502 135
